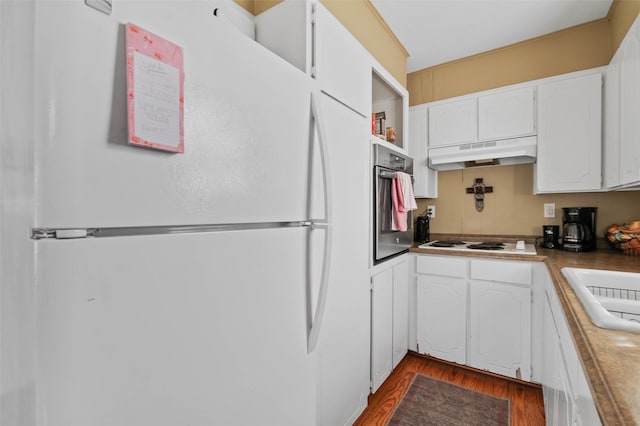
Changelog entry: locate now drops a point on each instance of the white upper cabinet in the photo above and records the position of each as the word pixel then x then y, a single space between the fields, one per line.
pixel 294 43
pixel 507 114
pixel 453 123
pixel 342 65
pixel 569 135
pixel 486 116
pixel 308 36
pixel 629 148
pixel 611 124
pixel 621 145
pixel 426 179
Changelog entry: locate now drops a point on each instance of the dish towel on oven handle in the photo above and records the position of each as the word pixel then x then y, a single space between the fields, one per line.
pixel 403 201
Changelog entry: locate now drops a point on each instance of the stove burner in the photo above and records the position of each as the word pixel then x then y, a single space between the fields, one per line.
pixel 486 246
pixel 441 244
pixel 447 243
pixel 451 243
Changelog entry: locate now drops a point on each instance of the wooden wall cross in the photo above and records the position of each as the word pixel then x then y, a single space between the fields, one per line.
pixel 478 190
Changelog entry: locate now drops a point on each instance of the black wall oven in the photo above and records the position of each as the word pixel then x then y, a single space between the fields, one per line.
pixel 387 242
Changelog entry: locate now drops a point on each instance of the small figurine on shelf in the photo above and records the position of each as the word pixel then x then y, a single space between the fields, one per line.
pixel 391 134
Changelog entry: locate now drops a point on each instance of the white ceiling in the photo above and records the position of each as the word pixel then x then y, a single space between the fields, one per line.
pixel 438 31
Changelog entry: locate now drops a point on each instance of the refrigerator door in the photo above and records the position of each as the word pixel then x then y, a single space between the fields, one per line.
pixel 246 123
pixel 200 329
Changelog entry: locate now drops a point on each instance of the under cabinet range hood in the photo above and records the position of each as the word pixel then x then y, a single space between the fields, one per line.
pixel 489 153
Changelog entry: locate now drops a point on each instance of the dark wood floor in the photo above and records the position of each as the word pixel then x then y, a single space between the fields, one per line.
pixel 527 407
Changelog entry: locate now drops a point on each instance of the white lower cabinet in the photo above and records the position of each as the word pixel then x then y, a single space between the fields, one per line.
pixel 476 312
pixel 442 313
pixel 400 315
pixel 381 327
pixel 505 317
pixel 389 321
pixel 500 328
pixel 567 397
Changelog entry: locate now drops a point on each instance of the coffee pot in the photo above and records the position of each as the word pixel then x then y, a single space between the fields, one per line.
pixel 579 228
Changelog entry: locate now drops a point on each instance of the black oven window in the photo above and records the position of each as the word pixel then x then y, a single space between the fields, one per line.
pixel 384 204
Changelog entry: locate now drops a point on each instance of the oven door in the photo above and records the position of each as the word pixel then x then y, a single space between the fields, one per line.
pixel 388 243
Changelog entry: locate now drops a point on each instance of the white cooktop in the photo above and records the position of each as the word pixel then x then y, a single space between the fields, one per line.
pixel 507 248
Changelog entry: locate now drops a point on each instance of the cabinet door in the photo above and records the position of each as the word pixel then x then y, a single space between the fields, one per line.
pixel 507 115
pixel 569 135
pixel 442 317
pixel 400 312
pixel 500 328
pixel 453 123
pixel 611 124
pixel 426 179
pixel 342 65
pixel 381 328
pixel 566 406
pixel 630 109
pixel 550 378
pixel 586 411
pixel 285 29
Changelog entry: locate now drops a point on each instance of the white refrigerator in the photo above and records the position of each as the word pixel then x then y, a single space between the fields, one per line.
pixel 199 294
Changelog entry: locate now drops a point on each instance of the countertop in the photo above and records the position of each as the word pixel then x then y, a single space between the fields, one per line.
pixel 611 359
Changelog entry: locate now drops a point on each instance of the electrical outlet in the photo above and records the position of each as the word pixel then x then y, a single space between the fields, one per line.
pixel 431 211
pixel 549 210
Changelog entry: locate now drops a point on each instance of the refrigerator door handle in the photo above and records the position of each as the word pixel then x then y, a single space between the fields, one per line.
pixel 314 330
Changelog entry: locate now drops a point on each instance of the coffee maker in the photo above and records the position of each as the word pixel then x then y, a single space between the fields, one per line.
pixel 579 228
pixel 422 228
pixel 550 234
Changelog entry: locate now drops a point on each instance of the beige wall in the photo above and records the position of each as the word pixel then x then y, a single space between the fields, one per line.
pixel 512 209
pixel 621 16
pixel 365 23
pixel 578 48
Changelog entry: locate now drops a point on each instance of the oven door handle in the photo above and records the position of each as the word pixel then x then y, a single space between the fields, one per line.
pixel 325 224
pixel 386 174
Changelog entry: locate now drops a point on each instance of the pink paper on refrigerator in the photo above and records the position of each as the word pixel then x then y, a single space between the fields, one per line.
pixel 155 91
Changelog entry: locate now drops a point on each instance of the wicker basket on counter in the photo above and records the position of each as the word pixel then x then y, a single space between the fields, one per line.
pixel 625 238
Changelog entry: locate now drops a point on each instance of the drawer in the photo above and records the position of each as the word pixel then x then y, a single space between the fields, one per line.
pixel 442 265
pixel 502 271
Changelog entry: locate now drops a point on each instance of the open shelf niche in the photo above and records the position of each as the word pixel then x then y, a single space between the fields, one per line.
pixel 385 98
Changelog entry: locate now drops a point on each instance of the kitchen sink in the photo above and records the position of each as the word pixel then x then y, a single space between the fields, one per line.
pixel 611 298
